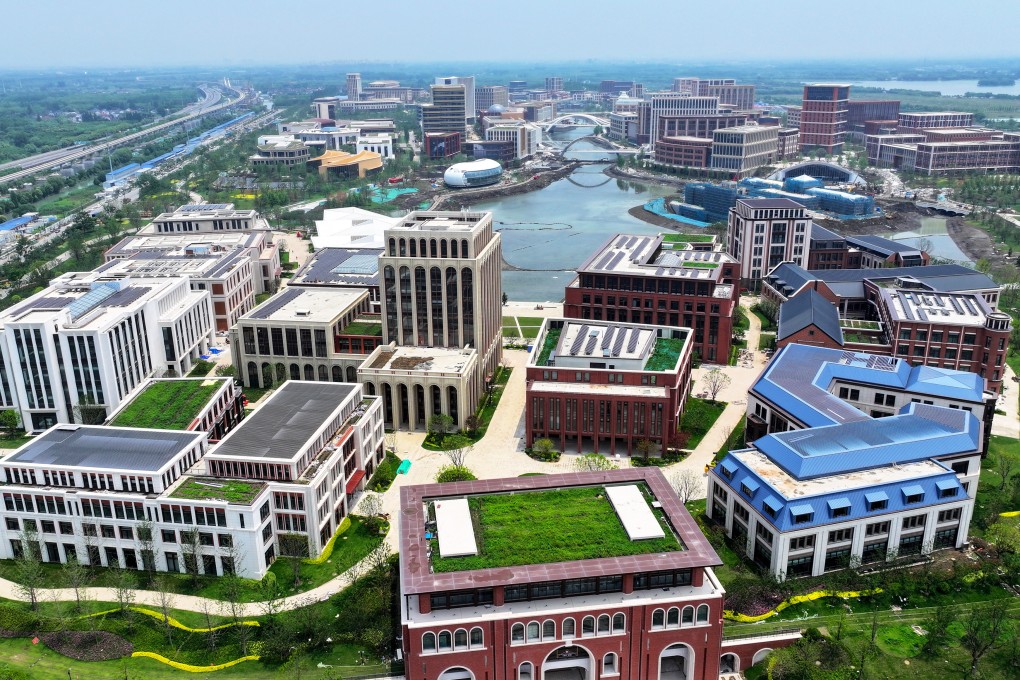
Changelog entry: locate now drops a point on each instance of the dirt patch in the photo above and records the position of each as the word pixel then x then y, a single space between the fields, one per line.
pixel 411 363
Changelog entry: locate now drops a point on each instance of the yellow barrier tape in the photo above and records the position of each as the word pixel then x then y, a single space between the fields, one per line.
pixel 798 599
pixel 193 669
pixel 172 621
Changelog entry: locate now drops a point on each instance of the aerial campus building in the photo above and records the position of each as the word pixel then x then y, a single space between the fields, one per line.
pixel 137 497
pixel 853 459
pixel 645 604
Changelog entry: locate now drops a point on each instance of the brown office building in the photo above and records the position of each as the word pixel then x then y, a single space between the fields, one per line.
pixel 687 152
pixel 823 117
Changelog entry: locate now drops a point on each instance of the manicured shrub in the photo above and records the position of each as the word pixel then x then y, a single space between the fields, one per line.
pixel 455 473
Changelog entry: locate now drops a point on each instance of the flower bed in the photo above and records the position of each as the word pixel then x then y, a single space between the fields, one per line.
pixel 98 645
pixel 797 599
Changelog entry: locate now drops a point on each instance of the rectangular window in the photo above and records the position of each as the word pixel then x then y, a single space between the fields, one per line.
pixel 802 542
pixel 877 528
pixel 169 536
pixel 841 535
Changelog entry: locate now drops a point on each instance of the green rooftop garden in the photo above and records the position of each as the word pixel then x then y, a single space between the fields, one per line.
pixel 861 324
pixel 232 491
pixel 861 338
pixel 542 527
pixel 552 337
pixel 363 327
pixel 697 264
pixel 666 354
pixel 168 404
pixel 686 238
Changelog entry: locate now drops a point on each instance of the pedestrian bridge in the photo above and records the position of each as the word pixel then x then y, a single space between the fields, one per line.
pixel 574 119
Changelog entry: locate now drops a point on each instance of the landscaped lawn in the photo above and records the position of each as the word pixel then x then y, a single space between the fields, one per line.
pixel 255 393
pixel 734 441
pixel 511 332
pixel 530 332
pixel 666 354
pixel 460 440
pixel 169 405
pixel 767 324
pixel 201 368
pixel 233 491
pixel 552 337
pixel 686 238
pixel 14 442
pixel 530 320
pixel 766 341
pixel 540 527
pixel 698 418
pixel 363 327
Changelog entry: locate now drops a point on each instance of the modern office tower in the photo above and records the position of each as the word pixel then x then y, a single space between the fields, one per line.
pixel 739 96
pixel 553 84
pixel 488 96
pixel 469 93
pixel 525 137
pixel 442 326
pixel 518 89
pixel 823 117
pixel 447 111
pixel 671 104
pixel 919 120
pixel 637 90
pixel 741 150
pixel 860 111
pixel 762 232
pixel 354 87
pixel 96 340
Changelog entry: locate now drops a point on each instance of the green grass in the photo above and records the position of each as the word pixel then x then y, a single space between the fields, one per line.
pixel 168 405
pixel 552 337
pixel 767 324
pixel 14 442
pixel 511 332
pixel 686 238
pixel 255 393
pixel 541 527
pixel 363 327
pixel 233 491
pixel 740 320
pixel 384 475
pixel 530 332
pixel 666 354
pixel 693 264
pixel 698 418
pixel 734 441
pixel 766 341
pixel 530 320
pixel 460 440
pixel 201 368
pixel 262 297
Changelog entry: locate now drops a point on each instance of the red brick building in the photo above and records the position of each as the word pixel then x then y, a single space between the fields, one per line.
pixel 471 613
pixel 687 152
pixel 649 280
pixel 823 117
pixel 607 386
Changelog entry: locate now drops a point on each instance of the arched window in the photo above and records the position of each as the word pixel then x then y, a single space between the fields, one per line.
pixel 460 638
pixel 253 374
pixel 548 627
pixel 432 247
pixel 463 248
pixel 370 387
pixel 703 613
pixel 609 664
pixel 323 374
pixel 309 372
pixel 688 615
pixel 526 671
pixel 414 248
pixel 673 617
pixel 603 624
pixel 619 623
pixel 421 248
pixel 587 626
pixel 568 628
pixel 476 637
pixel 517 633
pixel 295 372
pixel 453 248
pixel 658 618
pixel 533 631
pixel 428 642
pixel 403 248
pixel 352 375
pixel 393 247
pixel 442 249
pixel 445 640
pixel 338 374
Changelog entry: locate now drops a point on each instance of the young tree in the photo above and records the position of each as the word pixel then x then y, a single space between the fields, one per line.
pixel 715 381
pixel 28 566
pixel 454 473
pixel 440 425
pixel 984 629
pixel 10 421
pixel 471 424
pixel 294 548
pixel 76 576
pixel 543 447
pixel 646 447
pixel 190 549
pixel 458 457
pixel 505 299
pixel 686 482
pixel 165 598
pixel 937 625
pixel 88 412
pixel 1003 467
pixel 593 462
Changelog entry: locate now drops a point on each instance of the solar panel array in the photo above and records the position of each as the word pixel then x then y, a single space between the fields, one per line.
pixel 881 363
pixel 632 344
pixel 592 339
pixel 90 300
pixel 607 338
pixel 274 305
pixel 579 340
pixel 197 207
pixel 125 297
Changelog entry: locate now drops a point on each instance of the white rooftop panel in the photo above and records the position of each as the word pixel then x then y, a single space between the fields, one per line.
pixel 632 509
pixel 456 533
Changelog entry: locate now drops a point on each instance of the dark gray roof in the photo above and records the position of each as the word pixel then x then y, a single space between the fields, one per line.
pixel 954 275
pixel 772 203
pixel 820 233
pixel 111 448
pixel 792 276
pixel 340 266
pixel 882 245
pixel 809 308
pixel 275 303
pixel 281 426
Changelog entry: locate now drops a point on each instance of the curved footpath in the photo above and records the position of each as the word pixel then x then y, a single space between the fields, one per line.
pixel 499 454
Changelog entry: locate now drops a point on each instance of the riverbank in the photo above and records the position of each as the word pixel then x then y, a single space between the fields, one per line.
pixel 539 180
pixel 644 177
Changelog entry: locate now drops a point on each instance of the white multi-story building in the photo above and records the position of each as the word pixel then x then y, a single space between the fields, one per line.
pixel 281 481
pixel 763 232
pixel 97 340
pixel 380 144
pixel 354 86
pixel 469 93
pixel 675 104
pixel 742 149
pixel 205 218
pixel 525 136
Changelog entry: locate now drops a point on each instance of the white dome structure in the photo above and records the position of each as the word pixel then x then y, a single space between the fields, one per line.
pixel 473 173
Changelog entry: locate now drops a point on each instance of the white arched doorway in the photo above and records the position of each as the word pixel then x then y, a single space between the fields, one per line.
pixel 571 662
pixel 676 662
pixel 457 673
pixel 729 663
pixel 760 655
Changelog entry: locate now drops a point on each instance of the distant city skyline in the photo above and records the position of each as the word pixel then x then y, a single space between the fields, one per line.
pixel 237 33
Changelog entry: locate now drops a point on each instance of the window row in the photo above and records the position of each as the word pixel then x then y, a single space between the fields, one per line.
pixel 546 631
pixel 674 618
pixel 445 641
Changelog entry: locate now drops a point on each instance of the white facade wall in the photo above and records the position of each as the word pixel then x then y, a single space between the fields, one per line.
pixel 382 145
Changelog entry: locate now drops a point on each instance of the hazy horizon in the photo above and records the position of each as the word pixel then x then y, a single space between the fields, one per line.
pixel 118 34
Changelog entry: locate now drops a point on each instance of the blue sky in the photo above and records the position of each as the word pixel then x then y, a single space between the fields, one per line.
pixel 139 33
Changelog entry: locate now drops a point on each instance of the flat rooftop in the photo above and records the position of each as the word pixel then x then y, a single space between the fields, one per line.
pixel 646 256
pixel 424 359
pixel 205 210
pixel 236 491
pixel 170 404
pixel 308 305
pixel 963 309
pixel 186 244
pixel 549 527
pixel 609 340
pixel 340 267
pixel 105 448
pixel 281 427
pixel 441 220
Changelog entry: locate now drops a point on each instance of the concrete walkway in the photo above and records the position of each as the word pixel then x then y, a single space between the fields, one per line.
pixel 1008 425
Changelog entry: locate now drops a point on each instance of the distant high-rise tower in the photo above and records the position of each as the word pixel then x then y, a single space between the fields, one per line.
pixel 553 84
pixel 469 93
pixel 354 86
pixel 447 112
pixel 488 96
pixel 823 117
